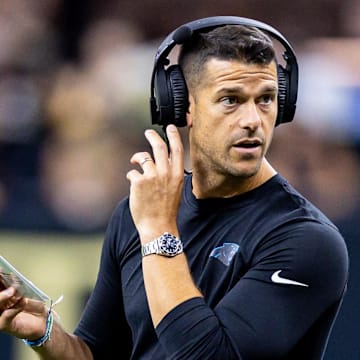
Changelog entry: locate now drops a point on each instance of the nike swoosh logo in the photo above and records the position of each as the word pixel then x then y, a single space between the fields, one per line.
pixel 277 279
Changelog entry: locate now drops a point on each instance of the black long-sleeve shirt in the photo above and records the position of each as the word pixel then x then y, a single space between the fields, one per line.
pixel 271 266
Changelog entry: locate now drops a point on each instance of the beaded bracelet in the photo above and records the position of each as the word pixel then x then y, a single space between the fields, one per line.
pixel 46 337
pixel 49 326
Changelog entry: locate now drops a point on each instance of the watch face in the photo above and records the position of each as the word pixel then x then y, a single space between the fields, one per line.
pixel 170 245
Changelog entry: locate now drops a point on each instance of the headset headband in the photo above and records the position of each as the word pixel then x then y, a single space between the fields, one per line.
pixel 184 32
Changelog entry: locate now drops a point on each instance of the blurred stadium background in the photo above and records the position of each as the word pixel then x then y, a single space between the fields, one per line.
pixel 74 89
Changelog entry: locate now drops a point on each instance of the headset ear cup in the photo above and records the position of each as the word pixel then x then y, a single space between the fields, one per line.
pixel 283 88
pixel 162 105
pixel 179 93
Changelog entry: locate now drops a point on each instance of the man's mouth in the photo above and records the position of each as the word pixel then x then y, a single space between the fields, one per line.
pixel 248 144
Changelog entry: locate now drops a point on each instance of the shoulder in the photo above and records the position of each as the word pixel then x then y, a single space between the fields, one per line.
pixel 121 212
pixel 317 247
pixel 291 204
pixel 308 251
pixel 120 225
pixel 315 235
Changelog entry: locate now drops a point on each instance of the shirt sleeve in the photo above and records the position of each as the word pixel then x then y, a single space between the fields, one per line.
pixel 103 318
pixel 260 317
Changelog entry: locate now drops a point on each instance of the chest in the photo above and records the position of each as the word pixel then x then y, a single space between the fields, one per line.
pixel 218 254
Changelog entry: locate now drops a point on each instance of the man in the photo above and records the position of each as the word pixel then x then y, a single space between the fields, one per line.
pixel 228 262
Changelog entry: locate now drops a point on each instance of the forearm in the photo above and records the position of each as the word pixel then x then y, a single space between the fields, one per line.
pixel 168 283
pixel 63 346
pixel 155 196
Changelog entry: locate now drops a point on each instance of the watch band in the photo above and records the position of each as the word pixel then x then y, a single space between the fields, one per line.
pixel 151 247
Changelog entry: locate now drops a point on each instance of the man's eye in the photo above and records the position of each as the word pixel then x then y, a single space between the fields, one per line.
pixel 229 100
pixel 267 99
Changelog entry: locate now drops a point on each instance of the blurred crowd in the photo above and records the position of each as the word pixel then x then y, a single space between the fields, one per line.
pixel 74 90
pixel 68 122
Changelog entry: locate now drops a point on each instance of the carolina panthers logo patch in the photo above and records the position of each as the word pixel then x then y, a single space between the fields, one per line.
pixel 225 253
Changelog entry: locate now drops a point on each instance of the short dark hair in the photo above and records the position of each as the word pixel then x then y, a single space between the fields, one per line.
pixel 230 42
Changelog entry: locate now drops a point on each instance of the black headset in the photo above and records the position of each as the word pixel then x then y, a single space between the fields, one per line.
pixel 169 94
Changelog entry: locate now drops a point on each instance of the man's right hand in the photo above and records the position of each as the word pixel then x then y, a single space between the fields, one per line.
pixel 21 317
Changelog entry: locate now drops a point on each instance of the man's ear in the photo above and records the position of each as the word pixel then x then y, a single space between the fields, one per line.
pixel 190 112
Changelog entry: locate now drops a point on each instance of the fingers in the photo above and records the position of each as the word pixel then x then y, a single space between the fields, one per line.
pixel 162 156
pixel 146 158
pixel 10 306
pixel 162 159
pixel 176 148
pixel 159 148
pixel 141 158
pixel 34 306
pixel 8 298
pixel 21 316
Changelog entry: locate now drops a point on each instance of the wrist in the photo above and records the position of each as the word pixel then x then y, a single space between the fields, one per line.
pixel 46 337
pixel 154 232
pixel 167 244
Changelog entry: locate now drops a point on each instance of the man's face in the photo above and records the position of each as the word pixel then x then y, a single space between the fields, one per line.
pixel 232 116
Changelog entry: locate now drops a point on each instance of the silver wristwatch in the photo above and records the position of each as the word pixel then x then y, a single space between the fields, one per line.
pixel 167 245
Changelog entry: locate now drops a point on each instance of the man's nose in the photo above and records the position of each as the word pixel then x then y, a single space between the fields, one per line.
pixel 250 117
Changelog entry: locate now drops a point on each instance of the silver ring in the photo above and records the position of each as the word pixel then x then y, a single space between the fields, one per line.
pixel 145 160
